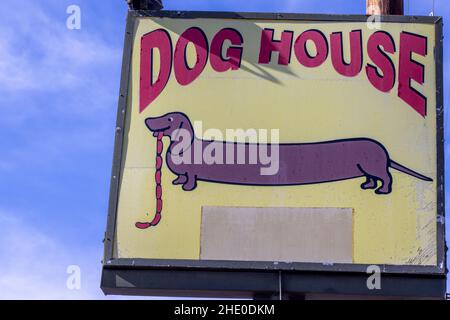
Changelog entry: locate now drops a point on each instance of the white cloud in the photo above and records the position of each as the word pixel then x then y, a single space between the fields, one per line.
pixel 40 53
pixel 41 58
pixel 34 264
pixel 58 87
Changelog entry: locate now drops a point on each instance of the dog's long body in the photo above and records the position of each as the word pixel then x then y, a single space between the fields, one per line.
pixel 298 164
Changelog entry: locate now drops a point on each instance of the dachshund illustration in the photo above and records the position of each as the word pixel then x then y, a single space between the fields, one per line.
pixel 299 163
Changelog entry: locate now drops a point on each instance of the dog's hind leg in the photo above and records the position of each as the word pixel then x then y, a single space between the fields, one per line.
pixel 371 183
pixel 386 187
pixel 374 173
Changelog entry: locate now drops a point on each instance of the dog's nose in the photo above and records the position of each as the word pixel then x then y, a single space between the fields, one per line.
pixel 149 123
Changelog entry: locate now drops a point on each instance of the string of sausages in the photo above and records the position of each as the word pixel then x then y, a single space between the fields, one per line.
pixel 158 175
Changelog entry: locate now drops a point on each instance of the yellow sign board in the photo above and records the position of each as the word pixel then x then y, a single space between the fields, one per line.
pixel 238 130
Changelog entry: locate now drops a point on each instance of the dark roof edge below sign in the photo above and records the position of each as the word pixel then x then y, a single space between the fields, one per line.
pixel 246 284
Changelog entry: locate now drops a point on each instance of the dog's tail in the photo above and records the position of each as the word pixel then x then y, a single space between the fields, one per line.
pixel 399 167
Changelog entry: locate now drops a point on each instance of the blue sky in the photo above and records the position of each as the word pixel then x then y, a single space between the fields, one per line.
pixel 58 94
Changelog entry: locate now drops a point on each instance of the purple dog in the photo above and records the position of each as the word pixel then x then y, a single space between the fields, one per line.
pixel 298 163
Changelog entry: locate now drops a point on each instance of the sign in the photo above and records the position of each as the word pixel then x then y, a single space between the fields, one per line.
pixel 256 142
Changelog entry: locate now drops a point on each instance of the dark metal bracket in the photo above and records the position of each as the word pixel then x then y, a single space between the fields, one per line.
pixel 145 4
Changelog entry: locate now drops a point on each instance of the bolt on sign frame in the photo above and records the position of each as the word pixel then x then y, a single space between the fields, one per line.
pixel 269 58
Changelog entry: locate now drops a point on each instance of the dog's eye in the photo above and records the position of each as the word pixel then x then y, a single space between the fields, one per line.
pixel 170 119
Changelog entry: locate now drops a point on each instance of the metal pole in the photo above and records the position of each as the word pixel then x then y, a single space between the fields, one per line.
pixel 384 7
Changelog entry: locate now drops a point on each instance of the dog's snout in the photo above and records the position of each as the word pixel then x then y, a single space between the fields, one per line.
pixel 149 123
pixel 157 124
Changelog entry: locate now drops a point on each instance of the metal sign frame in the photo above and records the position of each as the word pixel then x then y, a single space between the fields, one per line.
pixel 237 278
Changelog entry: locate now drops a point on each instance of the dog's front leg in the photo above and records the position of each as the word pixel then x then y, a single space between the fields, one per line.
pixel 191 182
pixel 182 179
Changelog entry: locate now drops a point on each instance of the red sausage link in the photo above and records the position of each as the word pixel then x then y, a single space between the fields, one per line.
pixel 158 177
pixel 158 174
pixel 159 147
pixel 159 162
pixel 158 192
pixel 159 204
